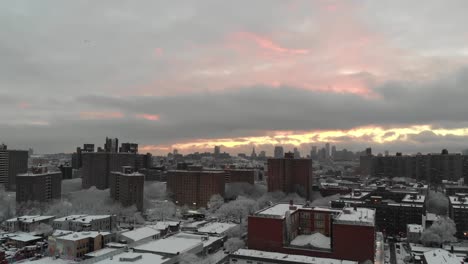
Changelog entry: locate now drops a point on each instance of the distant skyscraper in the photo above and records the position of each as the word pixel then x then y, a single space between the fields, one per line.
pixel 254 154
pixel 12 163
pixel 97 166
pixel 129 148
pixel 88 148
pixel 290 175
pixel 175 152
pixel 112 145
pixel 279 152
pixel 327 150
pixel 333 151
pixel 313 152
pixel 297 154
pixel 217 150
pixel 368 151
pixel 386 153
pixel 262 154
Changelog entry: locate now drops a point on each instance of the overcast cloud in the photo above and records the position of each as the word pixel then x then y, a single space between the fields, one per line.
pixel 193 74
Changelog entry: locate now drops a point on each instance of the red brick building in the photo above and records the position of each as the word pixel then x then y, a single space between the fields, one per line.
pixel 347 234
pixel 240 175
pixel 195 187
pixel 290 175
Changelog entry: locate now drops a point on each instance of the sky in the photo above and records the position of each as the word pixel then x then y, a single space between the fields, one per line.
pixel 190 75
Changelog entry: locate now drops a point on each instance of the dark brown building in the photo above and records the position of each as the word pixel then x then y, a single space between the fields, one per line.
pixel 38 185
pixel 98 165
pixel 12 163
pixel 195 187
pixel 127 188
pixel 240 175
pixel 290 175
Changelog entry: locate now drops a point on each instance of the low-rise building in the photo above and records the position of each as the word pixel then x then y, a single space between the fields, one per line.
pixel 414 232
pixel 248 256
pixel 142 234
pixel 28 223
pixel 86 223
pixel 76 245
pixel 182 243
pixel 347 234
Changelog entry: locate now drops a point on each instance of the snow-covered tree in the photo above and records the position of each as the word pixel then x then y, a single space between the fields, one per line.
pixel 43 230
pixel 437 203
pixel 216 201
pixel 442 231
pixel 233 244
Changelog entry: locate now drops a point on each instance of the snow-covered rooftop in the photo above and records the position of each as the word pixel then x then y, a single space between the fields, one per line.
pixel 162 225
pixel 441 256
pixel 413 228
pixel 413 198
pixel 171 245
pixel 179 243
pixel 279 210
pixel 100 252
pixel 137 258
pixel 316 240
pixel 285 258
pixel 70 217
pixel 25 237
pixel 141 233
pixel 31 218
pixel 216 228
pixel 355 195
pixel 459 201
pixel 356 216
pixel 82 235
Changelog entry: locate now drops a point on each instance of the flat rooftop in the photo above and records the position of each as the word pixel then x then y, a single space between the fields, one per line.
pixel 413 198
pixel 459 201
pixel 279 210
pixel 356 216
pixel 82 235
pixel 286 258
pixel 141 233
pixel 137 258
pixel 216 228
pixel 31 218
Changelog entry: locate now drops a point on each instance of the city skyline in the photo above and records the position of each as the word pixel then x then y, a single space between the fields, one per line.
pixel 191 76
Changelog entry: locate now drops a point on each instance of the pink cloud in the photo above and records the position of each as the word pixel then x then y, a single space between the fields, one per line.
pixel 148 117
pixel 158 52
pixel 101 115
pixel 24 105
pixel 265 43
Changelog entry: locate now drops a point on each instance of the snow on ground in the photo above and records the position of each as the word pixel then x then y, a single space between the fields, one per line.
pixel 315 240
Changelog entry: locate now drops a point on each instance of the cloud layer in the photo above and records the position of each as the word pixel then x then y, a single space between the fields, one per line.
pixel 191 75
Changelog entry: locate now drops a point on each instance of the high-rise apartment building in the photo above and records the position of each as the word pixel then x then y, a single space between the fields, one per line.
pixel 240 175
pixel 129 148
pixel 112 145
pixel 127 187
pixel 290 175
pixel 279 152
pixel 327 150
pixel 217 151
pixel 12 163
pixel 98 165
pixel 194 187
pixel 38 185
pixel 432 168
